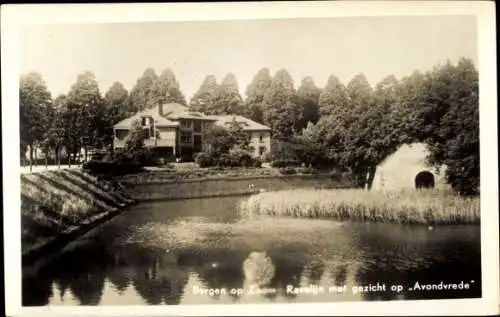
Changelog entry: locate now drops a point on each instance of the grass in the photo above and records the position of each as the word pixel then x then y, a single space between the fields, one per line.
pixel 175 175
pixel 186 173
pixel 404 207
pixel 55 202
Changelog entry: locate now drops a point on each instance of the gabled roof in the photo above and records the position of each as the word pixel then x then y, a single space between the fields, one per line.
pixel 175 111
pixel 153 112
pixel 245 123
pixel 171 112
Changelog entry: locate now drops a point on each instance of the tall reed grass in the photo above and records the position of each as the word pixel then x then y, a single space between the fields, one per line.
pixel 405 207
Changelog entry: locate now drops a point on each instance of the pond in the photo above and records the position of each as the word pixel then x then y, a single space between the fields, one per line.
pixel 202 251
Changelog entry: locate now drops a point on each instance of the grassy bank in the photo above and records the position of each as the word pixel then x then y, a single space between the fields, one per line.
pixel 56 204
pixel 405 207
pixel 193 173
pixel 217 187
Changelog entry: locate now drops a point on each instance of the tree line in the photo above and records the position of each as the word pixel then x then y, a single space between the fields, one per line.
pixel 354 126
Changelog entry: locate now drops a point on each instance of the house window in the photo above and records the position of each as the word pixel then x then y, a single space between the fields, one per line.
pixel 261 138
pixel 262 150
pixel 185 124
pixel 197 126
pixel 197 141
pixel 121 134
pixel 186 138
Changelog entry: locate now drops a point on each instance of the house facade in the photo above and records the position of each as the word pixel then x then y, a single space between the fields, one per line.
pixel 259 134
pixel 176 131
pixel 173 130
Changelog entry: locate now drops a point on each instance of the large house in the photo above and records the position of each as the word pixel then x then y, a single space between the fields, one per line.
pixel 176 131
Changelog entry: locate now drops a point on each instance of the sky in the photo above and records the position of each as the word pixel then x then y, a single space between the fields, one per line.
pixel 316 47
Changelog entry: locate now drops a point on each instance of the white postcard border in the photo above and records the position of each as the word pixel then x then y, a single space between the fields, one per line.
pixel 14 15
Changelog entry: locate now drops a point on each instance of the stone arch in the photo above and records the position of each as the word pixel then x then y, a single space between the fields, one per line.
pixel 424 179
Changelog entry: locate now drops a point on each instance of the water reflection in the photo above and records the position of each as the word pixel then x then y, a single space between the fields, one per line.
pixel 151 256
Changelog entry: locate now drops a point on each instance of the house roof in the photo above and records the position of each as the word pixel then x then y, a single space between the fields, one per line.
pixel 246 124
pixel 175 111
pixel 171 112
pixel 153 112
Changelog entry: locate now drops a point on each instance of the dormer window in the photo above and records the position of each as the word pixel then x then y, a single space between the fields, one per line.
pixel 146 121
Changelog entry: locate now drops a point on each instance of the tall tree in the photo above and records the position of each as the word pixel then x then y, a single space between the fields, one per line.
pixel 255 95
pixel 307 147
pixel 451 125
pixel 334 109
pixel 279 106
pixel 87 112
pixel 412 101
pixel 359 90
pixel 117 103
pixel 118 107
pixel 203 97
pixel 357 153
pixel 57 136
pixel 46 142
pixel 226 98
pixel 308 102
pixel 386 113
pixel 346 127
pixel 382 117
pixel 140 95
pixel 34 102
pixel 333 97
pixel 166 89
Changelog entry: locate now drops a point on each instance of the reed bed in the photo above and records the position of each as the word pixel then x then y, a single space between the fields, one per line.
pixel 404 207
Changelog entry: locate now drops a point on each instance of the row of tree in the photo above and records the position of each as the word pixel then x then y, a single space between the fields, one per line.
pixel 83 118
pixel 360 126
pixel 355 125
pixel 70 122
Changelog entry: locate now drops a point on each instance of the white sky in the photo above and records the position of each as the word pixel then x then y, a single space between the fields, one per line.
pixel 316 47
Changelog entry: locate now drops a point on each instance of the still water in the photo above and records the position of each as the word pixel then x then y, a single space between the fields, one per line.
pixel 201 251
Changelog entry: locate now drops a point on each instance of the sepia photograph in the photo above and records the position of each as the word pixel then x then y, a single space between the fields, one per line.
pixel 220 159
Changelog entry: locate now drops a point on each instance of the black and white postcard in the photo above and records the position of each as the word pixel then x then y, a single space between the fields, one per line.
pixel 250 158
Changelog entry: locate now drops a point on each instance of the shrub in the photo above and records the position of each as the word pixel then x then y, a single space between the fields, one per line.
pixel 240 157
pixel 287 170
pixel 235 158
pixel 306 170
pixel 187 157
pixel 257 162
pixel 335 174
pixel 285 163
pixel 267 157
pixel 204 159
pixel 224 160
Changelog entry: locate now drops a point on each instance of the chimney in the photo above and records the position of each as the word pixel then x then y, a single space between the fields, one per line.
pixel 160 109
